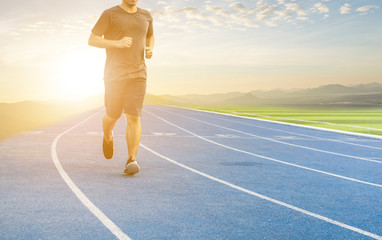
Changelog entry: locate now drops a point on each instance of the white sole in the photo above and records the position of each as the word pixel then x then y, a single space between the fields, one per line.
pixel 132 168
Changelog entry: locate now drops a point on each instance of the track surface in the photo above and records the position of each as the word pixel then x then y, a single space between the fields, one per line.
pixel 203 176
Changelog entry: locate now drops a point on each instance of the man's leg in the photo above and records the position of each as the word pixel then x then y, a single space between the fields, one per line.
pixel 133 137
pixel 133 134
pixel 108 124
pixel 133 103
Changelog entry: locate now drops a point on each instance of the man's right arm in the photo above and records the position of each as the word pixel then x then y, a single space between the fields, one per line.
pixel 100 42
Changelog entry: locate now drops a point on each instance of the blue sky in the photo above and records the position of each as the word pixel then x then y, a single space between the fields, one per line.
pixel 201 46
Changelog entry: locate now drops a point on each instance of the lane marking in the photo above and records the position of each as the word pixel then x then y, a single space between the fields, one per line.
pixel 298 134
pixel 315 215
pixel 370 136
pixel 267 158
pixel 80 195
pixel 273 140
pixel 163 134
pixel 295 138
pixel 36 132
pixel 94 133
pixel 226 135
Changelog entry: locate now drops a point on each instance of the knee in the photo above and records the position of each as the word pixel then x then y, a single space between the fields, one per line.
pixel 109 119
pixel 132 119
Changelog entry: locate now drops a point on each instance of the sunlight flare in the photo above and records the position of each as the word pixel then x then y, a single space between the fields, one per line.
pixel 79 75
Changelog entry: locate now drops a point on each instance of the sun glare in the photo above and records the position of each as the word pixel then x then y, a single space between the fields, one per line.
pixel 79 75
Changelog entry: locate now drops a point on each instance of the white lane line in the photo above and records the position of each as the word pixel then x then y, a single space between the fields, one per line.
pixel 370 136
pixel 326 219
pixel 273 140
pixel 94 133
pixel 298 134
pixel 36 132
pixel 80 195
pixel 267 158
pixel 163 134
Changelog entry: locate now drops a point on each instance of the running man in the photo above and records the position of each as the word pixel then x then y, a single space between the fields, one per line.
pixel 126 32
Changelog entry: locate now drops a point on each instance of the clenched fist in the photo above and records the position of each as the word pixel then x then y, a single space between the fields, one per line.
pixel 149 52
pixel 124 42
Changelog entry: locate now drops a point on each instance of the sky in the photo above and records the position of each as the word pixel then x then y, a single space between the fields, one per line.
pixel 201 47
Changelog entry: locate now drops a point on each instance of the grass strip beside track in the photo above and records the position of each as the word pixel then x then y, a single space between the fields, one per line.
pixel 358 120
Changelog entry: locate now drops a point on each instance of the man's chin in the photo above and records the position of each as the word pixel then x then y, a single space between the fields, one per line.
pixel 131 3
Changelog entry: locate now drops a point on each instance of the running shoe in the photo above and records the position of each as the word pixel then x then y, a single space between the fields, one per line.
pixel 108 149
pixel 131 167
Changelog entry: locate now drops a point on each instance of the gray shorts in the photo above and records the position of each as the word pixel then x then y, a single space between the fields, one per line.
pixel 125 95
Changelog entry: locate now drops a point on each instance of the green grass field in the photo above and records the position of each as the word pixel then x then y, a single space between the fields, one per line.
pixel 360 120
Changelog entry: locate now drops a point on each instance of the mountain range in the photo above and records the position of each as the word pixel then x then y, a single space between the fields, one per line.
pixel 27 115
pixel 327 95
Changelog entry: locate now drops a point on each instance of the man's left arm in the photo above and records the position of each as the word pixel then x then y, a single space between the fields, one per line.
pixel 149 46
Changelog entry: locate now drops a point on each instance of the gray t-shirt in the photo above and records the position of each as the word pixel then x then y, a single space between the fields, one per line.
pixel 114 24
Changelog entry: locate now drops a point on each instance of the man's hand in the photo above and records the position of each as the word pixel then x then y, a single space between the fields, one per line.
pixel 125 42
pixel 149 52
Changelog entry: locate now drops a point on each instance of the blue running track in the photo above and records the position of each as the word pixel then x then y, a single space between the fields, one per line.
pixel 203 176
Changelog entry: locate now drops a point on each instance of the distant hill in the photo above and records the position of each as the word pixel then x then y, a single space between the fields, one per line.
pixel 164 100
pixel 243 100
pixel 332 89
pixel 211 99
pixel 194 99
pixel 276 93
pixel 372 99
pixel 28 115
pixel 370 87
pixel 337 89
pixel 327 95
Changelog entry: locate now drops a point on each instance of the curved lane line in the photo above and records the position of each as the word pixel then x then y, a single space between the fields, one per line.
pixel 80 195
pixel 340 224
pixel 268 158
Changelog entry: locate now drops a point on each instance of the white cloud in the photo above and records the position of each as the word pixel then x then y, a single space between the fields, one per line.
pixel 218 11
pixel 302 18
pixel 295 8
pixel 194 14
pixel 270 24
pixel 239 8
pixel 198 24
pixel 281 15
pixel 345 9
pixel 168 14
pixel 320 7
pixel 52 27
pixel 280 1
pixel 234 16
pixel 365 9
pixel 250 24
pixel 263 11
pixel 243 15
pixel 162 3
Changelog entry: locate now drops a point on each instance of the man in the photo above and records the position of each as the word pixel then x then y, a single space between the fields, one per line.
pixel 127 36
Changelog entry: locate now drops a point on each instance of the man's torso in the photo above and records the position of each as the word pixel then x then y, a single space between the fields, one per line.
pixel 121 63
